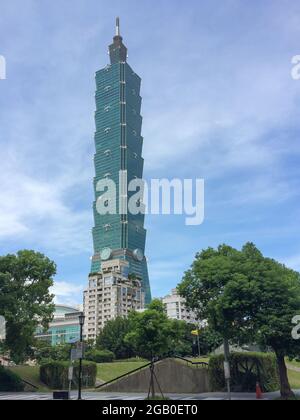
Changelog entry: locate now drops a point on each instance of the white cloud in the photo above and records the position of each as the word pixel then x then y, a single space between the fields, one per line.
pixel 39 212
pixel 67 293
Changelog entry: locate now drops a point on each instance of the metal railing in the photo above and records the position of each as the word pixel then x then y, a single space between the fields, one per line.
pixel 201 364
pixel 29 384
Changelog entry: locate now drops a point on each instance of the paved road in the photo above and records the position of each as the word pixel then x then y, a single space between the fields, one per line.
pixel 99 396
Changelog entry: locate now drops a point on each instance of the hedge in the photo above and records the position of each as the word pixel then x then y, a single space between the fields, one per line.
pixel 55 374
pixel 9 381
pixel 100 356
pixel 246 370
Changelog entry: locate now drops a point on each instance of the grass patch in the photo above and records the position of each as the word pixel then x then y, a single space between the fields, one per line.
pixel 200 359
pixel 109 371
pixel 30 374
pixel 294 378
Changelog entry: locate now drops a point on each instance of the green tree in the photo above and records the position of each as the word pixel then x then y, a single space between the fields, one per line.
pixel 25 300
pixel 44 352
pixel 180 338
pixel 248 298
pixel 156 305
pixel 149 332
pixel 210 340
pixel 123 336
pixel 112 338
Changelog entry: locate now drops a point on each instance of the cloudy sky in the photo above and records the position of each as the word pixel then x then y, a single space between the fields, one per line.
pixel 219 103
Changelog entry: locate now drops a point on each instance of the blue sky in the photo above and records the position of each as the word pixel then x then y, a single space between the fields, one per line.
pixel 219 103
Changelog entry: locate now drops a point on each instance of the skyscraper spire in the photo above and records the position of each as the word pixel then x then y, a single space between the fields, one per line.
pixel 117 50
pixel 118 27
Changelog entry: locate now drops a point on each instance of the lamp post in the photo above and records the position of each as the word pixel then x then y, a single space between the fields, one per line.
pixel 81 323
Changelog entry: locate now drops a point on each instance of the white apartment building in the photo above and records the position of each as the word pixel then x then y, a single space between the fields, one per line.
pixel 110 294
pixel 176 309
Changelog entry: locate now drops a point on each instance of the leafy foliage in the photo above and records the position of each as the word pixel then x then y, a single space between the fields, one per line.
pixel 55 374
pixel 100 356
pixel 246 370
pixel 44 352
pixel 210 340
pixel 152 334
pixel 25 301
pixel 247 298
pixel 149 335
pixel 112 338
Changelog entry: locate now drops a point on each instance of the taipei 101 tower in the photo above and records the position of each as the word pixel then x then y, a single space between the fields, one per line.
pixel 119 145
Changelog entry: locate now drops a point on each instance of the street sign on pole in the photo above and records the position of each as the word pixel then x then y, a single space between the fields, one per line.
pixel 76 354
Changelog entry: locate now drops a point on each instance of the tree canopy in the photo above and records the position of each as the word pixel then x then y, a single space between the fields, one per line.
pixel 25 299
pixel 112 338
pixel 247 298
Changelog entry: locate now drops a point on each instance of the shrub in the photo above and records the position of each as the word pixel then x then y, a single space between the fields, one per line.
pixel 100 356
pixel 246 370
pixel 45 352
pixel 9 381
pixel 55 374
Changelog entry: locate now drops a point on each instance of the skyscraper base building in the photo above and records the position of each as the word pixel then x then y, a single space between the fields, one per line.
pixel 120 236
pixel 110 294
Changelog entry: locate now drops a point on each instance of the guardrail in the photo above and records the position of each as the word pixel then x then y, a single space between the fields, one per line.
pixel 201 364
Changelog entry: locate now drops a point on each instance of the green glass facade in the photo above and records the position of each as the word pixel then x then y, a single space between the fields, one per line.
pixel 119 143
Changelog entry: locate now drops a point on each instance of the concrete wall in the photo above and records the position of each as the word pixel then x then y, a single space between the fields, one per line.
pixel 174 377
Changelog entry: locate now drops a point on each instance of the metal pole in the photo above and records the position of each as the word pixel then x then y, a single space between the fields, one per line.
pixel 80 364
pixel 198 338
pixel 227 367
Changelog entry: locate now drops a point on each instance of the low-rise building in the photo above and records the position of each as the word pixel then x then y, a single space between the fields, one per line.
pixel 64 328
pixel 111 293
pixel 175 307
